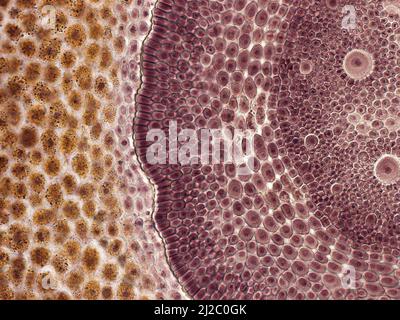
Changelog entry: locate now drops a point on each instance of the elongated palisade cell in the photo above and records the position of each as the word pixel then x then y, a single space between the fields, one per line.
pixel 315 86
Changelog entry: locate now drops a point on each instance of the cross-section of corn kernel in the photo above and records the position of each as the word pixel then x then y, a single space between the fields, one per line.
pixel 87 213
pixel 315 83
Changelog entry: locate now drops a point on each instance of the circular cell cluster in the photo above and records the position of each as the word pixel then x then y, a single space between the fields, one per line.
pixel 387 169
pixel 317 216
pixel 74 204
pixel 358 64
